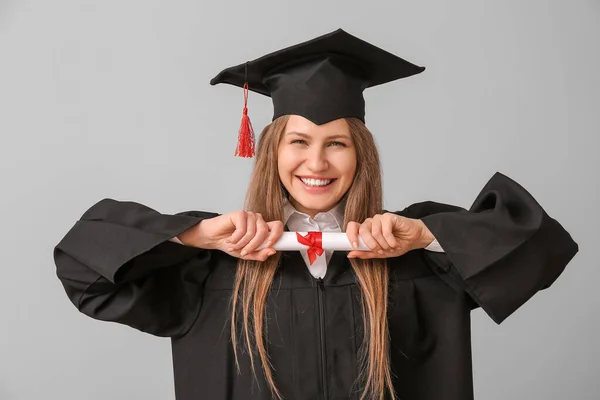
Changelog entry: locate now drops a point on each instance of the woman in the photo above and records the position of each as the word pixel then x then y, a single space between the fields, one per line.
pixel 392 322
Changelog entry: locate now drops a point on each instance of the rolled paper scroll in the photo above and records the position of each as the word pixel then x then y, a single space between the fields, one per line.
pixel 329 241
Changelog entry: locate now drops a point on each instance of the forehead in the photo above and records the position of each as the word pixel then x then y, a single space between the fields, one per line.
pixel 300 124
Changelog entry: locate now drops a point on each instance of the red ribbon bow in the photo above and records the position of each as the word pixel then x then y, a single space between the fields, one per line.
pixel 314 242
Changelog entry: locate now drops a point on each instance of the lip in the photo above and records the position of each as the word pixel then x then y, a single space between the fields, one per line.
pixel 316 189
pixel 324 178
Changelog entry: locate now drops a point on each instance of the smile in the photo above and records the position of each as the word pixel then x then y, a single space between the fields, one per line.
pixel 316 182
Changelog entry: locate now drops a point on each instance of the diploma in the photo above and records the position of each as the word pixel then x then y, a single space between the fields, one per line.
pixel 329 241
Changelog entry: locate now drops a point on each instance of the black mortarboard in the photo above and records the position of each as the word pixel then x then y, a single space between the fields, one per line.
pixel 321 79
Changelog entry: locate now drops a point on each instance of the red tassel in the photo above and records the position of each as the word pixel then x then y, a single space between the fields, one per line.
pixel 245 145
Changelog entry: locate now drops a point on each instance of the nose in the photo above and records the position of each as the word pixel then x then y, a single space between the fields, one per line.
pixel 317 160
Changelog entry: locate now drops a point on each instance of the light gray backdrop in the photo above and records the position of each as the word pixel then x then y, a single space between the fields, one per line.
pixel 111 99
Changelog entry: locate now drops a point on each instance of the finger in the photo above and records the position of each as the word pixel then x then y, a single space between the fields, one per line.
pixel 364 254
pixel 387 229
pixel 376 232
pixel 365 234
pixel 239 220
pixel 352 233
pixel 260 255
pixel 262 230
pixel 275 232
pixel 248 234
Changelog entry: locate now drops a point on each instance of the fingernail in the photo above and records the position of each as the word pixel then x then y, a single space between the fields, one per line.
pixel 230 249
pixel 269 243
pixel 244 252
pixel 355 245
pixel 271 253
pixel 380 251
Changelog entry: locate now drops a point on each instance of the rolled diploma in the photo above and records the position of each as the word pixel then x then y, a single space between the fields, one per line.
pixel 330 241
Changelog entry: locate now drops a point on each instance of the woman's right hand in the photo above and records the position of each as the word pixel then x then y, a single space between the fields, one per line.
pixel 238 233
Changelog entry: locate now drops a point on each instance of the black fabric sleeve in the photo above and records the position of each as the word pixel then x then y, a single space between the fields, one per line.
pixel 501 251
pixel 117 264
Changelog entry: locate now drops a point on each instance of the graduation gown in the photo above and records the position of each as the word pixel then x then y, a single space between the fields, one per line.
pixel 117 264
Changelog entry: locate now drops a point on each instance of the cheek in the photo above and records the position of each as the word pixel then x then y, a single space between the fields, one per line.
pixel 286 163
pixel 281 170
pixel 347 165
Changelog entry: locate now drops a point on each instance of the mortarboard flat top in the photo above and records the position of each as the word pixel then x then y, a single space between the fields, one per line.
pixel 321 79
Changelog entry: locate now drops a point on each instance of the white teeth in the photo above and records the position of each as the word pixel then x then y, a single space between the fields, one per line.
pixel 316 182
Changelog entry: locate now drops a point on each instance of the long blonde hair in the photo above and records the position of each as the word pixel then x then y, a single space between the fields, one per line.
pixel 253 279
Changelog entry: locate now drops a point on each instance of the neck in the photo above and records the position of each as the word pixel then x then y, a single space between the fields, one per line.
pixel 310 212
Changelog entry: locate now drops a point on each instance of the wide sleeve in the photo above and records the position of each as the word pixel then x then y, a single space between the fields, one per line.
pixel 501 251
pixel 117 264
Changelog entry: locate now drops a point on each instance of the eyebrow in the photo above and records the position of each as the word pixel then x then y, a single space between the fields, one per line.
pixel 304 135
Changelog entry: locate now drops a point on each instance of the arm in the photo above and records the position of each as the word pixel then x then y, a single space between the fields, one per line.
pixel 501 251
pixel 117 264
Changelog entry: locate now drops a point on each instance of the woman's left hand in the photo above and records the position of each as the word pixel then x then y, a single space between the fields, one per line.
pixel 388 235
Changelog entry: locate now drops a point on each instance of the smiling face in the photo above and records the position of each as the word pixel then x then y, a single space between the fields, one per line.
pixel 316 163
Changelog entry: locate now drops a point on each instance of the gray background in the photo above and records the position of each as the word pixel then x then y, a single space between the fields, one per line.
pixel 111 99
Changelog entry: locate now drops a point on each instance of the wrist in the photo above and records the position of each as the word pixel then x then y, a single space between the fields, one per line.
pixel 195 236
pixel 425 237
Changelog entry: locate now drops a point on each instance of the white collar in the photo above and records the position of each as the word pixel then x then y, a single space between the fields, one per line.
pixel 337 212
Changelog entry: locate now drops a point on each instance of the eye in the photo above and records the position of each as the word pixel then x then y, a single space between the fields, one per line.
pixel 341 144
pixel 299 141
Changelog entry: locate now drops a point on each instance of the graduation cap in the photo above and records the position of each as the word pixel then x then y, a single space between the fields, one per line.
pixel 322 80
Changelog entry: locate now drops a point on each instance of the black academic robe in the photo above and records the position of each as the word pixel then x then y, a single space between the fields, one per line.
pixel 117 264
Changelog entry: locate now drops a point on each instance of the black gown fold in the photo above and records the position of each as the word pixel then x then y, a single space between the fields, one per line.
pixel 117 264
pixel 503 250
